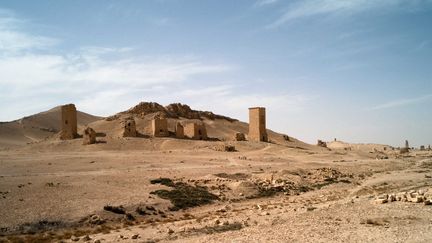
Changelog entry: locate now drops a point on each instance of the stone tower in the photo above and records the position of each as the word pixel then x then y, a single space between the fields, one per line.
pixel 160 127
pixel 129 127
pixel 195 131
pixel 257 124
pixel 179 130
pixel 69 122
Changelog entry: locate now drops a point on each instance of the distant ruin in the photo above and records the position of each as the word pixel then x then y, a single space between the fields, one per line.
pixel 406 144
pixel 321 143
pixel 89 136
pixel 422 148
pixel 179 130
pixel 69 122
pixel 160 127
pixel 195 131
pixel 129 127
pixel 257 124
pixel 239 137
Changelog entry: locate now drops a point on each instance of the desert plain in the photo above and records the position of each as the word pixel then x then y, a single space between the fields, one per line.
pixel 165 189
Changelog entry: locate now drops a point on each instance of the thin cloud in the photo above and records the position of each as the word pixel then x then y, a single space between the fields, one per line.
pixel 402 102
pixel 309 8
pixel 261 3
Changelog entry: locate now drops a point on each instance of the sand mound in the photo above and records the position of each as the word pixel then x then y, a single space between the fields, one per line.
pixel 37 127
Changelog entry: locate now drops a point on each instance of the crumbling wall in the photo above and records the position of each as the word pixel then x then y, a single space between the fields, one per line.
pixel 129 127
pixel 195 131
pixel 257 124
pixel 238 136
pixel 160 127
pixel 321 143
pixel 179 130
pixel 69 122
pixel 89 136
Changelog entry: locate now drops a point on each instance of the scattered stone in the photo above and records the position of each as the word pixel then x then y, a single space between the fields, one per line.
pixel 74 238
pixel 170 231
pixel 86 238
pixel 135 236
pixel 225 148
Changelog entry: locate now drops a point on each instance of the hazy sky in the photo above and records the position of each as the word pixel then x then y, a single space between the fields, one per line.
pixel 357 70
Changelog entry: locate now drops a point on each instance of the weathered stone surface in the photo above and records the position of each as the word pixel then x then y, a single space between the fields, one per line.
pixel 225 148
pixel 179 130
pixel 257 124
pixel 89 136
pixel 195 131
pixel 160 127
pixel 129 127
pixel 321 143
pixel 69 122
pixel 239 137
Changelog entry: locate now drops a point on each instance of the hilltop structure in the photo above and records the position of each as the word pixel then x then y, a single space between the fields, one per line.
pixel 69 122
pixel 257 124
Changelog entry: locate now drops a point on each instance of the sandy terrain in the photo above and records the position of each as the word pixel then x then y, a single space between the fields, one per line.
pixel 284 191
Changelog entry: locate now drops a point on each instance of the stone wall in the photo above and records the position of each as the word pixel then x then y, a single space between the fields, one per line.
pixel 160 127
pixel 129 128
pixel 195 131
pixel 179 130
pixel 89 136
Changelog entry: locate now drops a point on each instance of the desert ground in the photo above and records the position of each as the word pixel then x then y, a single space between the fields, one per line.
pixel 147 189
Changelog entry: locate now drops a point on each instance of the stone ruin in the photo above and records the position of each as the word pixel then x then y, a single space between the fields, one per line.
pixel 405 149
pixel 225 148
pixel 239 136
pixel 321 143
pixel 429 147
pixel 160 127
pixel 257 124
pixel 422 148
pixel 179 130
pixel 69 122
pixel 129 127
pixel 89 136
pixel 195 131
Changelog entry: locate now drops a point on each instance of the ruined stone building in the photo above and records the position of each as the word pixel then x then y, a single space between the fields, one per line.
pixel 160 127
pixel 89 136
pixel 238 136
pixel 257 124
pixel 195 131
pixel 129 127
pixel 69 122
pixel 179 130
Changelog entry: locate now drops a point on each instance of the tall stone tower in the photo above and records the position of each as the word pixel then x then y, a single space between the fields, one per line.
pixel 257 124
pixel 69 122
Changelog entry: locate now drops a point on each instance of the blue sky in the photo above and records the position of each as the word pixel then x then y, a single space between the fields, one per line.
pixel 358 70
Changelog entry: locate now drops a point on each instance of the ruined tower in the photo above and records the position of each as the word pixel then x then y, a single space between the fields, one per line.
pixel 129 127
pixel 195 131
pixel 89 136
pixel 179 130
pixel 69 122
pixel 257 124
pixel 160 127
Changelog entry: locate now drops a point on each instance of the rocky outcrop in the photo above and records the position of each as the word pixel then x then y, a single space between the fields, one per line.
pixel 175 110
